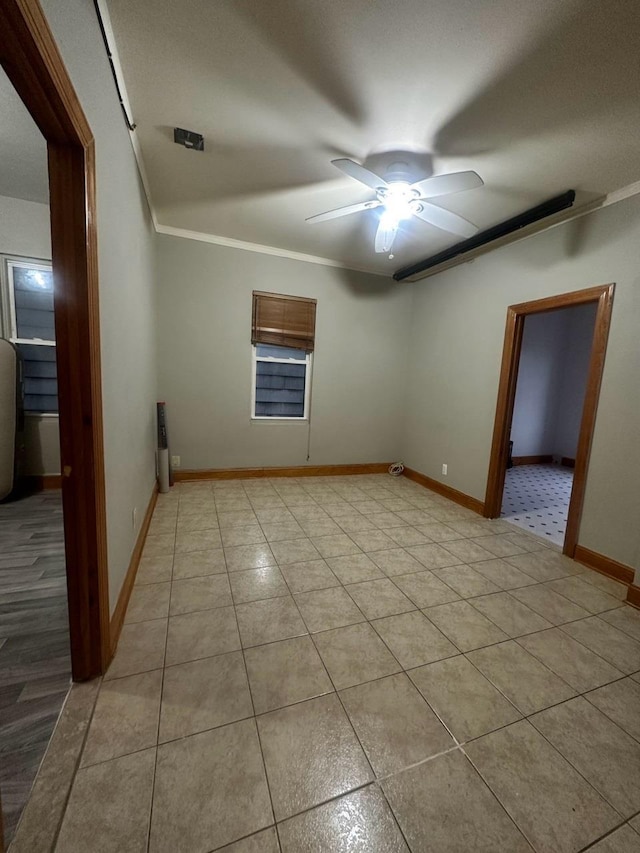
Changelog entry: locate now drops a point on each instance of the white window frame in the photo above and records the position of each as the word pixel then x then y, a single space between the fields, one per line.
pixel 255 358
pixel 9 319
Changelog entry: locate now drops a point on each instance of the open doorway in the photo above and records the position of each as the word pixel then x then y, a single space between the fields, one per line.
pixel 595 306
pixel 35 659
pixel 34 68
pixel 550 392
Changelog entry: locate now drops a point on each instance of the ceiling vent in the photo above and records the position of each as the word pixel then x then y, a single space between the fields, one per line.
pixel 188 138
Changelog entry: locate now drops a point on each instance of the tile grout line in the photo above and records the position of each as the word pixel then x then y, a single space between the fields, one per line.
pixel 367 621
pixel 157 745
pixel 77 767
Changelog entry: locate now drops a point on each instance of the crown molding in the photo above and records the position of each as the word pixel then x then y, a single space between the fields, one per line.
pixel 274 251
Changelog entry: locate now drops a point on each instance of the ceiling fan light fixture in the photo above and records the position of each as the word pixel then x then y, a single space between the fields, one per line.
pixel 397 199
pixel 388 220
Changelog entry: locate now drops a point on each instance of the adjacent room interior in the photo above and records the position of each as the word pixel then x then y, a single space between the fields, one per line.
pixel 369 578
pixel 35 663
pixel 547 413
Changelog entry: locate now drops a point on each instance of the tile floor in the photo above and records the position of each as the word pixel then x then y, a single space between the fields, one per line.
pixel 536 499
pixel 356 664
pixel 35 664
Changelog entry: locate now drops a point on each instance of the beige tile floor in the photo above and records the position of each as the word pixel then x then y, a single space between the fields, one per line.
pixel 357 664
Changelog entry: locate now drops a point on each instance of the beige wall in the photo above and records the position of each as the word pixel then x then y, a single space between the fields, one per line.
pixel 126 269
pixel 25 231
pixel 24 228
pixel 204 326
pixel 457 331
pixel 41 445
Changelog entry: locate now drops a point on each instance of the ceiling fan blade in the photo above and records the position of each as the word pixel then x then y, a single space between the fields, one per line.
pixel 355 170
pixel 343 211
pixel 385 236
pixel 445 219
pixel 454 182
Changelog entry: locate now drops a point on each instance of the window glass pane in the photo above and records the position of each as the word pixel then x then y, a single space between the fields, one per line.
pixel 264 351
pixel 40 378
pixel 280 389
pixel 33 296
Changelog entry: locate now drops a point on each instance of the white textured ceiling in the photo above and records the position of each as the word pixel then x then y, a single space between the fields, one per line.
pixel 538 96
pixel 23 151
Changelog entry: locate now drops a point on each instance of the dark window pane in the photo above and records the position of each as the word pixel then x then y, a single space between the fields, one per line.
pixel 274 368
pixel 279 410
pixel 266 395
pixel 37 352
pixel 280 389
pixel 290 382
pixel 40 404
pixel 40 378
pixel 41 301
pixel 34 386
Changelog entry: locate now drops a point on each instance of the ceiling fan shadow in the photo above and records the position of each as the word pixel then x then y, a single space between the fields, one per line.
pixel 585 68
pixel 234 170
pixel 292 28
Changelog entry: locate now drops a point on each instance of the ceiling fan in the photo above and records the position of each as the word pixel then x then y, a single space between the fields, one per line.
pixel 401 199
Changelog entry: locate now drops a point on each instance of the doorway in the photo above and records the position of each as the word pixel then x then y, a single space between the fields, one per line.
pixel 602 298
pixel 33 65
pixel 34 68
pixel 550 391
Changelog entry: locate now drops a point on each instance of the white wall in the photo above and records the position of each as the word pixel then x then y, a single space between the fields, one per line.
pixel 41 445
pixel 127 298
pixel 457 334
pixel 25 231
pixel 204 326
pixel 552 380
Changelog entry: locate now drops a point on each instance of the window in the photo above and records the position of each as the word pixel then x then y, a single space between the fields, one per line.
pixel 280 382
pixel 283 339
pixel 27 321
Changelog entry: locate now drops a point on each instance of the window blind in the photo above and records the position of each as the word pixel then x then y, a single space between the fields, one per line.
pixel 286 321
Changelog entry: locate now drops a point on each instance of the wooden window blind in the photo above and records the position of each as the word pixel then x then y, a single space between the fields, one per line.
pixel 286 321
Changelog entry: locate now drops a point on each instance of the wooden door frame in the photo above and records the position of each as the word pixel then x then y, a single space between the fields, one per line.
pixel 33 64
pixel 516 315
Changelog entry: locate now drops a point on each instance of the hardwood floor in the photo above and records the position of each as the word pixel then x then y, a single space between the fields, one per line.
pixel 35 664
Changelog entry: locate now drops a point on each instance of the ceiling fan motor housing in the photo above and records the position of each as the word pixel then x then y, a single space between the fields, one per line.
pixel 398 172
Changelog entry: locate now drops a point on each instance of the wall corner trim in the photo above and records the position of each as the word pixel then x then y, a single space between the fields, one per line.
pixel 540 459
pixel 295 471
pixel 604 565
pixel 633 595
pixel 43 482
pixel 446 491
pixel 117 619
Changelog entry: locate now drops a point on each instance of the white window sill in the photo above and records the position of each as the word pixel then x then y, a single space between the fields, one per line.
pixel 41 415
pixel 267 420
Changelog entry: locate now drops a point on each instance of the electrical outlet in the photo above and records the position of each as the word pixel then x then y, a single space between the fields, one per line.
pixel 134 517
pixel 175 461
pixel 444 468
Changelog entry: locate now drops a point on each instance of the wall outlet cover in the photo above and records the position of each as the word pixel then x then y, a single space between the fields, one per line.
pixel 175 461
pixel 444 468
